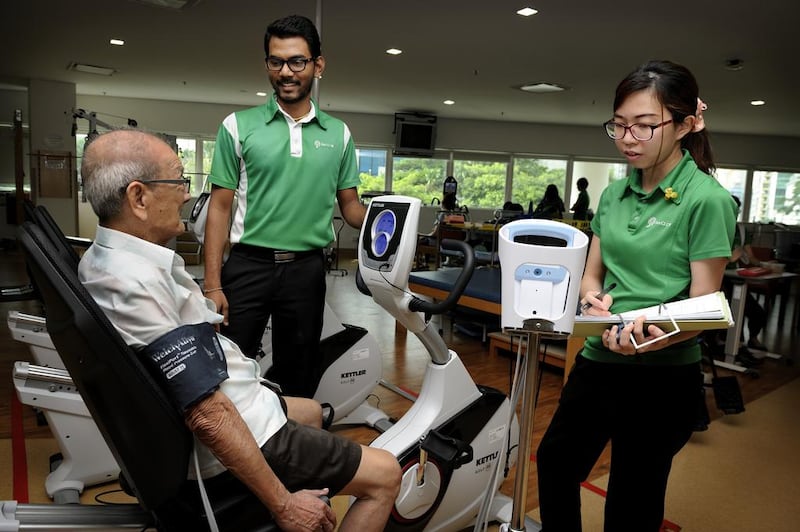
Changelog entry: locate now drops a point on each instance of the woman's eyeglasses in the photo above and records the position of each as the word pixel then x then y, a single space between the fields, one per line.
pixel 617 131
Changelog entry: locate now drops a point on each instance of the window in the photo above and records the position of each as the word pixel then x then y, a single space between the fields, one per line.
pixel 187 152
pixel 531 177
pixel 735 182
pixel 80 144
pixel 207 147
pixel 775 197
pixel 599 175
pixel 419 177
pixel 372 170
pixel 481 182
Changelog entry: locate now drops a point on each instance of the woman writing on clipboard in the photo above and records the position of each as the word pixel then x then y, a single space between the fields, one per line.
pixel 663 234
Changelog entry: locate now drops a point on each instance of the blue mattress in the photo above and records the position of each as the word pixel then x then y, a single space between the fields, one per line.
pixel 484 284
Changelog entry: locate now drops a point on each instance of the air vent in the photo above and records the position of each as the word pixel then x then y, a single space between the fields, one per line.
pixel 91 69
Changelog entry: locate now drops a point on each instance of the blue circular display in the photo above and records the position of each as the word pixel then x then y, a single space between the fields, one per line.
pixel 380 244
pixel 383 228
pixel 384 223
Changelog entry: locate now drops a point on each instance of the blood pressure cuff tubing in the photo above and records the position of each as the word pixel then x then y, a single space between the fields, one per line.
pixel 188 362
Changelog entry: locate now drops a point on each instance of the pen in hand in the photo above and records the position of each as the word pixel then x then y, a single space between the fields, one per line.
pixel 604 291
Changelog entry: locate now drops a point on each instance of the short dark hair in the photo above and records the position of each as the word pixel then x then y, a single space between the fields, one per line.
pixel 294 26
pixel 582 183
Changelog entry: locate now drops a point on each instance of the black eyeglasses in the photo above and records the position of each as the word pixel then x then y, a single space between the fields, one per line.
pixel 296 64
pixel 617 131
pixel 185 181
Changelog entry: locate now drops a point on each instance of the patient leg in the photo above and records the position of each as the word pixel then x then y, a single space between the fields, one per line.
pixel 375 486
pixel 304 411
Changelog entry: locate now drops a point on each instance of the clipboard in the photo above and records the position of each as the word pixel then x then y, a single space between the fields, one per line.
pixel 710 311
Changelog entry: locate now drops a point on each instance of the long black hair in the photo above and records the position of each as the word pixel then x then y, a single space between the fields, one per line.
pixel 676 88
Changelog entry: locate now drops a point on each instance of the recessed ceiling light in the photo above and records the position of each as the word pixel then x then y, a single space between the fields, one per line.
pixel 757 102
pixel 117 42
pixel 394 51
pixel 449 102
pixel 527 11
pixel 542 87
pixel 91 69
pixel 734 64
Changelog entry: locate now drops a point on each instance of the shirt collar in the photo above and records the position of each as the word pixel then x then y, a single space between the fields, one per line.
pixel 677 179
pixel 273 111
pixel 113 239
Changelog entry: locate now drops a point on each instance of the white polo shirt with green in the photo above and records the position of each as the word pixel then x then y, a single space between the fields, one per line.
pixel 285 174
pixel 648 240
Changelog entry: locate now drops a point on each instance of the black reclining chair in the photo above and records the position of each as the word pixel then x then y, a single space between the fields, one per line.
pixel 40 216
pixel 145 433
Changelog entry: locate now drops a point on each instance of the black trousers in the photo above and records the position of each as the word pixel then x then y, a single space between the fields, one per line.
pixel 293 294
pixel 754 313
pixel 647 412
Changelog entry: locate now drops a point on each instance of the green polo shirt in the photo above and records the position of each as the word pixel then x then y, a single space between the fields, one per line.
pixel 285 193
pixel 648 241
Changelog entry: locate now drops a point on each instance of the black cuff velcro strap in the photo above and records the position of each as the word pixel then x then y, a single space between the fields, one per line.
pixel 189 362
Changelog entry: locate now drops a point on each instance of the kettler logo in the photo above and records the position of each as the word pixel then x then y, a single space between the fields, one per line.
pixel 487 458
pixel 351 374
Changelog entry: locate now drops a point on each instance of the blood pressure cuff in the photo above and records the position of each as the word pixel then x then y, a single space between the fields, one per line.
pixel 188 362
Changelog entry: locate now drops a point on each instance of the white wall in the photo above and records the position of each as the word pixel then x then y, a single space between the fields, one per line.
pixel 186 118
pixel 508 137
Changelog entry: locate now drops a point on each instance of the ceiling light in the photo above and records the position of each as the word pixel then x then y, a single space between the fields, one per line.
pixel 542 87
pixel 449 102
pixel 527 11
pixel 394 51
pixel 261 93
pixel 117 42
pixel 757 102
pixel 91 69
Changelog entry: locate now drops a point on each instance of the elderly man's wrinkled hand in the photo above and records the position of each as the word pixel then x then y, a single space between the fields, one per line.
pixel 305 511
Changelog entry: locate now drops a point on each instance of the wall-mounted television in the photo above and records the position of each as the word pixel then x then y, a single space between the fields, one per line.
pixel 415 134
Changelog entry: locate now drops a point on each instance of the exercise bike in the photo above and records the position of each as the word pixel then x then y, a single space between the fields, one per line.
pixel 352 366
pixel 455 438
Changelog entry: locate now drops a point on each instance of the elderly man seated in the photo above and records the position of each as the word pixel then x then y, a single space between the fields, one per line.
pixel 134 182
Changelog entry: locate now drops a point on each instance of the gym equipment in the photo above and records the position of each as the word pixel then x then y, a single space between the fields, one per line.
pixel 84 458
pixel 146 434
pixel 352 366
pixel 457 435
pixel 332 251
pixel 542 264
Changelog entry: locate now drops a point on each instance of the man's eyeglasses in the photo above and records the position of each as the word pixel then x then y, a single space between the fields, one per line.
pixel 617 131
pixel 185 181
pixel 296 64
